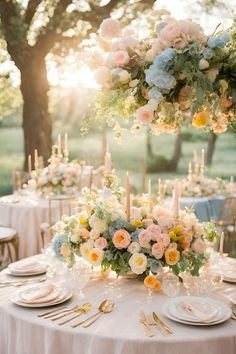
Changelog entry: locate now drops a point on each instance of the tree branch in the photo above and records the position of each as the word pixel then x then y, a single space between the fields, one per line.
pixel 52 32
pixel 30 10
pixel 14 31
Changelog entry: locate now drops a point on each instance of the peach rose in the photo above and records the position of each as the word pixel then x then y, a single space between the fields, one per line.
pixel 84 233
pixel 110 28
pixel 158 250
pixel 103 76
pixel 150 281
pixel 145 114
pixel 144 238
pixel 199 246
pixel 219 128
pixel 121 239
pixel 65 251
pixel 101 243
pixel 172 256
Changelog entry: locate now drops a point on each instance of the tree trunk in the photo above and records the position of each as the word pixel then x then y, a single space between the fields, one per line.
pixel 173 163
pixel 149 144
pixel 210 148
pixel 37 123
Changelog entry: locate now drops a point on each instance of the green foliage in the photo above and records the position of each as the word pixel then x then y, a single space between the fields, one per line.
pixel 10 97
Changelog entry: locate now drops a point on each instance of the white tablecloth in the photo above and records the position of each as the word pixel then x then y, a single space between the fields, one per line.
pixel 119 332
pixel 25 215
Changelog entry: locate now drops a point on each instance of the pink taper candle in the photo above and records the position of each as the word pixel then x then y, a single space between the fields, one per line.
pixel 127 192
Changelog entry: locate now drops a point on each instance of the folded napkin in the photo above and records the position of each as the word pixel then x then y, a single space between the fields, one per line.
pixel 26 266
pixel 45 293
pixel 202 312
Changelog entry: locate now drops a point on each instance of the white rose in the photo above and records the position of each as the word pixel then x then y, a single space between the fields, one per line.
pixel 134 247
pixel 85 249
pixel 203 64
pixel 138 263
pixel 75 237
pixel 94 234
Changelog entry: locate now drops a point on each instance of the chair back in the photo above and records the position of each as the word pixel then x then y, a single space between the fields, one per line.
pixel 64 205
pixel 228 213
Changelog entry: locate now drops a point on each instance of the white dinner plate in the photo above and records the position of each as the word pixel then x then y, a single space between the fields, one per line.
pixel 204 304
pixel 223 315
pixel 65 295
pixel 37 268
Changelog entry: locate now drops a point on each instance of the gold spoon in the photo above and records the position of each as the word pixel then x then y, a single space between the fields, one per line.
pixel 142 319
pixel 100 309
pixel 108 307
pixel 82 310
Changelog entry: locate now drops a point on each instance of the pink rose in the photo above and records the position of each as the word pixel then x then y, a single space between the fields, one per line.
pixel 154 230
pixel 100 242
pixel 119 58
pixel 145 114
pixel 170 32
pixel 164 239
pixel 110 28
pixel 165 221
pixel 199 246
pixel 144 238
pixel 103 76
pixel 158 250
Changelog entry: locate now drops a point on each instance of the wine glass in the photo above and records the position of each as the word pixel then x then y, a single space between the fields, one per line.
pixel 170 285
pixel 80 274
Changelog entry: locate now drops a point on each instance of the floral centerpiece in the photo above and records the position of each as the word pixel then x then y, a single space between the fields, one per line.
pixel 59 177
pixel 196 186
pixel 102 235
pixel 173 75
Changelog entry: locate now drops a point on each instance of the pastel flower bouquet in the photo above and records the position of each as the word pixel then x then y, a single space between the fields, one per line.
pixel 175 74
pixel 58 178
pixel 101 234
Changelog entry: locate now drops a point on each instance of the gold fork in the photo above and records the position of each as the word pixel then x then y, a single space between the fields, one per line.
pixel 56 312
pixel 157 319
pixel 143 319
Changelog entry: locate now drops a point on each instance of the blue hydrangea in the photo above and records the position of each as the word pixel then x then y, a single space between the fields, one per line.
pixel 155 266
pixel 164 60
pixel 160 78
pixel 155 94
pixel 160 26
pixel 134 235
pixel 218 41
pixel 208 53
pixel 57 242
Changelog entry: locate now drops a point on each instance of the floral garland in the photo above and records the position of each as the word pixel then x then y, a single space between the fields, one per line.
pixel 100 233
pixel 177 74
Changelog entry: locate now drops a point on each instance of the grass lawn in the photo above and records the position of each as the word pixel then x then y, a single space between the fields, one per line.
pixel 127 156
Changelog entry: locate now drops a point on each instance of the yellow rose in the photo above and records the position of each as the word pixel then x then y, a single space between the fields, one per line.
pixel 137 223
pixel 178 230
pixel 82 220
pixel 173 236
pixel 201 119
pixel 157 286
pixel 172 256
pixel 150 281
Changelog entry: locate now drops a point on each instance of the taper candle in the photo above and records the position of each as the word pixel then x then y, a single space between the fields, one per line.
pixel 59 145
pixel 221 249
pixel 36 159
pixel 127 191
pixel 159 188
pixel 149 196
pixel 176 199
pixel 203 158
pixel 108 163
pixel 66 150
pixel 232 179
pixel 29 165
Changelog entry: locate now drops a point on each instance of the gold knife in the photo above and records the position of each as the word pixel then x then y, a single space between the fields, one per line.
pixel 158 320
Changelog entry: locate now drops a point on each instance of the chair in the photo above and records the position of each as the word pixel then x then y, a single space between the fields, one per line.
pixel 9 245
pixel 65 204
pixel 227 217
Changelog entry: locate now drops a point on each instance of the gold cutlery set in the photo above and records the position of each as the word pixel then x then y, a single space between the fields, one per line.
pixel 65 314
pixel 17 284
pixel 156 321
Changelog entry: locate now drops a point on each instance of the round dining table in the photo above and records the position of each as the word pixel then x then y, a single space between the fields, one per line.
pixel 118 332
pixel 25 214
